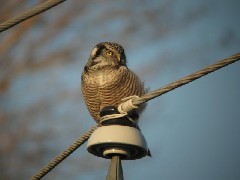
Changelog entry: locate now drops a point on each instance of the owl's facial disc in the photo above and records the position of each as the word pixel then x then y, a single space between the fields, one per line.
pixel 96 51
pixel 107 54
pixel 93 53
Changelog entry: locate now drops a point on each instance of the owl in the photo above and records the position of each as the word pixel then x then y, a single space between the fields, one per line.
pixel 106 79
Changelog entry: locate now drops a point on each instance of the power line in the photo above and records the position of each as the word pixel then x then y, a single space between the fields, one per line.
pixel 58 159
pixel 186 79
pixel 29 13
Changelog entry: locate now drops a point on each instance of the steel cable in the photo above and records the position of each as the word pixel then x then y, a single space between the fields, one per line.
pixel 29 13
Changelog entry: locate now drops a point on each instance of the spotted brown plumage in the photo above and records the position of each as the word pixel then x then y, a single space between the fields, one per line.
pixel 106 79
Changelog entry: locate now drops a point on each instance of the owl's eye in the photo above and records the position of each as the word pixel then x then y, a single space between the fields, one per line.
pixel 109 53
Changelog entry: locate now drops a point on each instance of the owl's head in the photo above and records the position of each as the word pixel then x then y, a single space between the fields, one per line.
pixel 107 54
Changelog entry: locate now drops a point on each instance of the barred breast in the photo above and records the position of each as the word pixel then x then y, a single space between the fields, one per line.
pixel 107 87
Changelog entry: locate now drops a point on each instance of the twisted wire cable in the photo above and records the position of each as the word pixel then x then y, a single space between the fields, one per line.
pixel 58 159
pixel 136 101
pixel 29 13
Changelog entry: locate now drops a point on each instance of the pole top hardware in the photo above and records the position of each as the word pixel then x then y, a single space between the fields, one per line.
pixel 127 142
pixel 117 137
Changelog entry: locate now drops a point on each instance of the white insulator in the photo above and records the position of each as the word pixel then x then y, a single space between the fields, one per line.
pixel 127 142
